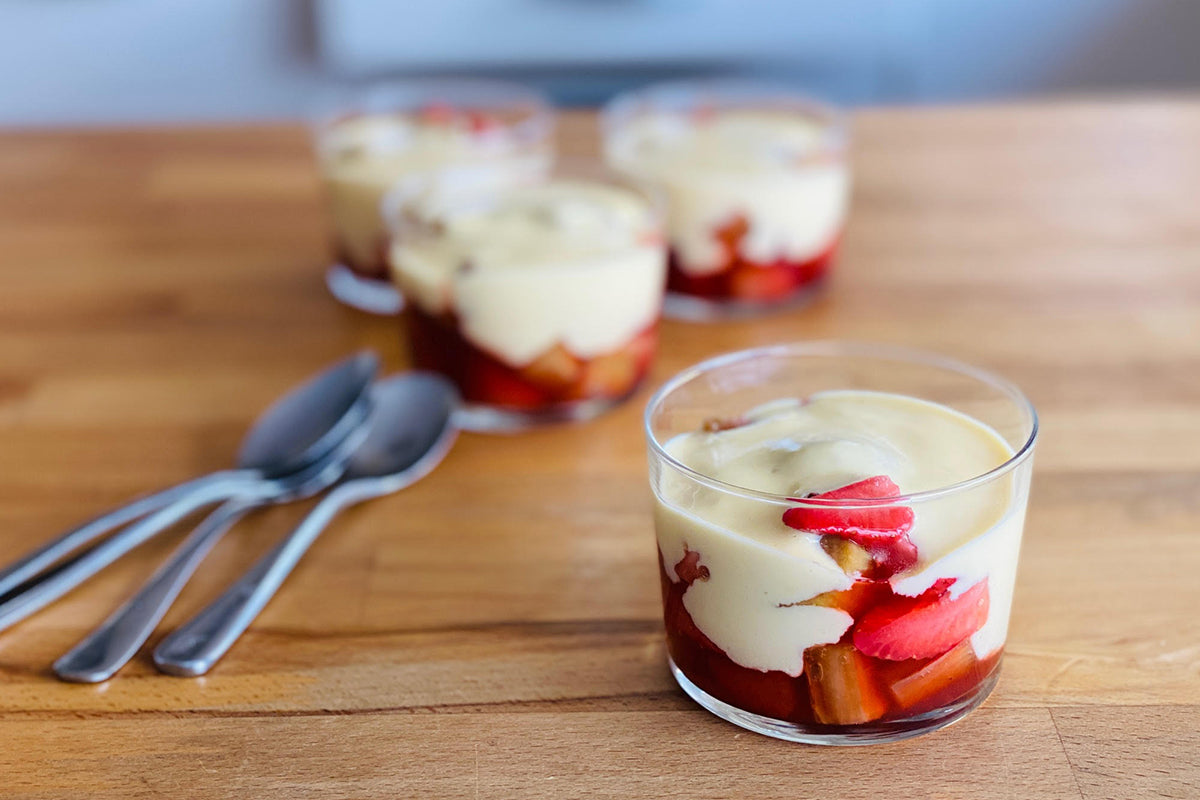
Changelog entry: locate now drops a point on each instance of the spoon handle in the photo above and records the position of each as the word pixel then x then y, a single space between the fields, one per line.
pixel 108 648
pixel 41 559
pixel 57 583
pixel 194 647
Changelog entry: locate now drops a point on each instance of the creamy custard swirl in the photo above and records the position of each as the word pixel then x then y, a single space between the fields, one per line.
pixel 363 156
pixel 760 568
pixel 772 167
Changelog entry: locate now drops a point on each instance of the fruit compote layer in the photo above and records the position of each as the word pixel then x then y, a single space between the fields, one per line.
pixel 848 604
pixel 742 278
pixel 553 378
pixel 363 155
pixel 538 296
pixel 757 197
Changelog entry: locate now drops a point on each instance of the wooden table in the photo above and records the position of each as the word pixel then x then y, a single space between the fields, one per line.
pixel 494 631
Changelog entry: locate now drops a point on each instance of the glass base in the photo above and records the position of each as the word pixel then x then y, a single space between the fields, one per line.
pixel 693 308
pixel 869 733
pixel 365 294
pixel 482 418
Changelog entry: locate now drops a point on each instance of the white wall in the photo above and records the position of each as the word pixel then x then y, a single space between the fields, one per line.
pixel 69 61
pixel 116 61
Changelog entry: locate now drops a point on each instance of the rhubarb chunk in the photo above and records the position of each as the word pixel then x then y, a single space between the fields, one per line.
pixel 941 680
pixel 841 686
pixel 855 601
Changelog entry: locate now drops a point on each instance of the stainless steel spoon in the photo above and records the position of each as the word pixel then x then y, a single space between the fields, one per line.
pixel 298 430
pixel 411 430
pixel 110 646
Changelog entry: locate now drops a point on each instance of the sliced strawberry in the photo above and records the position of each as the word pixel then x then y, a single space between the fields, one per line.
pixel 877 487
pixel 842 687
pixel 924 626
pixel 879 528
pixel 861 596
pixel 875 518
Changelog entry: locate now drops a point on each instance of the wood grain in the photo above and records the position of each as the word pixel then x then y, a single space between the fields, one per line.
pixel 494 631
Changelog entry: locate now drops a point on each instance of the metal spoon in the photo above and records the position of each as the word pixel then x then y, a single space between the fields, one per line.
pixel 110 646
pixel 411 430
pixel 299 429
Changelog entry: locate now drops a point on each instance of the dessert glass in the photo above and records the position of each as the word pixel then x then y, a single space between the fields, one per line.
pixel 541 302
pixel 369 139
pixel 756 181
pixel 745 599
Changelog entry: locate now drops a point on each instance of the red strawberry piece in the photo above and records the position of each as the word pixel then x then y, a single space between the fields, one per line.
pixel 873 518
pixel 922 627
pixel 879 528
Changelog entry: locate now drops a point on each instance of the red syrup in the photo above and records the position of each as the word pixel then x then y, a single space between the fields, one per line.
pixel 554 378
pixel 741 278
pixel 840 686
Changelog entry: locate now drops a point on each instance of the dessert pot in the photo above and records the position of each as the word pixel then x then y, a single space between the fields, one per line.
pixel 757 183
pixel 838 531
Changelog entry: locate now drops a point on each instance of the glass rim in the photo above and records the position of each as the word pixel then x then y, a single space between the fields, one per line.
pixel 341 102
pixel 732 93
pixel 842 347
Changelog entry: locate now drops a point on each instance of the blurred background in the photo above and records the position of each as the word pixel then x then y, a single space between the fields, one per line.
pixel 129 61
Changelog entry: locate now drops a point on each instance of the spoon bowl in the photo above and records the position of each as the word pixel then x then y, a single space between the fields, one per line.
pixel 411 429
pixel 306 425
pixel 308 422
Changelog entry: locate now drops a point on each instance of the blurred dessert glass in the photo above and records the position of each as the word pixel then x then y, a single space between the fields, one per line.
pixel 370 139
pixel 540 301
pixel 756 181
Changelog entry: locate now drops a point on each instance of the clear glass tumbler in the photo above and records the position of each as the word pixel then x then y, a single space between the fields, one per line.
pixel 541 302
pixel 757 182
pixel 368 139
pixel 840 616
